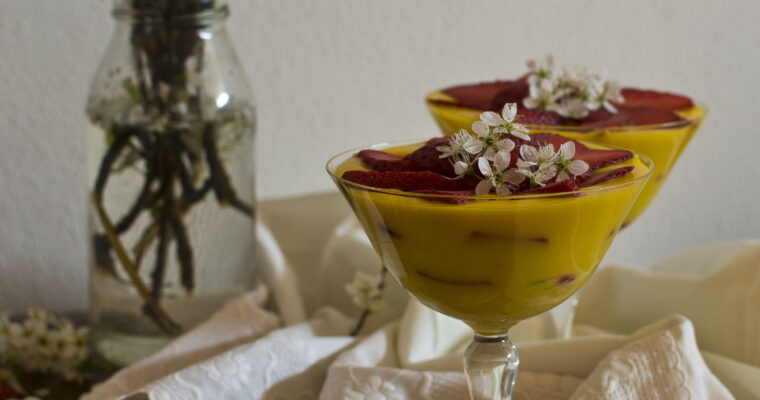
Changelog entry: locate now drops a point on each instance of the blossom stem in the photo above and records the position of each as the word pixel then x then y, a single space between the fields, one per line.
pixel 366 312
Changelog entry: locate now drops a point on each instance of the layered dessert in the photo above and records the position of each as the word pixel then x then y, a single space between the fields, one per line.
pixel 581 106
pixel 494 226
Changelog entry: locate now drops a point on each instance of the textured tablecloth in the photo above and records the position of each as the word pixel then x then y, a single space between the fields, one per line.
pixel 686 328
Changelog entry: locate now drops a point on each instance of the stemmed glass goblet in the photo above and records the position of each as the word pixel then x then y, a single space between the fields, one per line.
pixel 490 261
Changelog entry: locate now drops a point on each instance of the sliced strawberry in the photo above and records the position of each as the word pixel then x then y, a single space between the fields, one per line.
pixel 448 200
pixel 651 98
pixel 539 117
pixel 540 139
pixel 380 161
pixel 428 158
pixel 487 95
pixel 568 185
pixel 599 177
pixel 600 117
pixel 643 116
pixel 599 158
pixel 406 180
pixel 515 92
pixel 478 96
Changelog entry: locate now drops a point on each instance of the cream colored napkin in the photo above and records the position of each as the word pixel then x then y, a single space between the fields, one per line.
pixel 660 361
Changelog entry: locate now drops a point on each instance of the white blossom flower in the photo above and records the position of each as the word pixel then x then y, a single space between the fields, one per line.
pixel 498 176
pixel 565 163
pixel 572 94
pixel 43 343
pixel 536 156
pixel 505 123
pixel 458 144
pixel 541 175
pixel 459 148
pixel 542 70
pixel 364 291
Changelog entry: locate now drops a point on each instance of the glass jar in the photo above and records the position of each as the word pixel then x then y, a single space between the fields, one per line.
pixel 170 122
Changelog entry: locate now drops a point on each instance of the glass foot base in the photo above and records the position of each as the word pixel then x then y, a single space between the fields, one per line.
pixel 490 365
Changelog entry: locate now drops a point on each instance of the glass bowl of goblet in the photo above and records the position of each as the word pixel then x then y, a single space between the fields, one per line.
pixel 490 261
pixel 662 142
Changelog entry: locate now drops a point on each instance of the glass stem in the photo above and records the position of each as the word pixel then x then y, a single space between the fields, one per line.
pixel 490 364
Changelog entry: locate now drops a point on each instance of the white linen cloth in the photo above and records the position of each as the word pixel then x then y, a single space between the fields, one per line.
pixel 637 331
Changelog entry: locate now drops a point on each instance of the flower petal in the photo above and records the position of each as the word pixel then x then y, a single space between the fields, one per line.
pixel 491 118
pixel 460 167
pixel 503 190
pixel 473 146
pixel 521 136
pixel 509 112
pixel 524 164
pixel 529 153
pixel 501 160
pixel 562 176
pixel 505 145
pixel 485 167
pixel 480 128
pixel 578 167
pixel 483 187
pixel 513 176
pixel 500 129
pixel 567 150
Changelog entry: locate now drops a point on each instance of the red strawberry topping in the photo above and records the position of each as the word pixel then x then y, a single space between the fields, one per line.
pixel 406 180
pixel 428 158
pixel 380 161
pixel 599 177
pixel 538 117
pixel 599 158
pixel 567 185
pixel 488 95
pixel 651 98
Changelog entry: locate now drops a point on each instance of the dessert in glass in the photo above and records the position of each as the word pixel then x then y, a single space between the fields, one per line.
pixel 491 227
pixel 582 106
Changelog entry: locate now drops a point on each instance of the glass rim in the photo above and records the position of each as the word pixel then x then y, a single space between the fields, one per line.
pixel 602 188
pixel 593 129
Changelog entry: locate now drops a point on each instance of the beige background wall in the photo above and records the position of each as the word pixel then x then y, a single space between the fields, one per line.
pixel 331 75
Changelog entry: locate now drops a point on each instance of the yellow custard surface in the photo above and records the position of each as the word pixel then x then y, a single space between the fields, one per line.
pixel 662 144
pixel 493 261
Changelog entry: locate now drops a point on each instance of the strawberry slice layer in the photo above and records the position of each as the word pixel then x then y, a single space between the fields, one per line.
pixel 488 95
pixel 567 185
pixel 539 117
pixel 406 180
pixel 428 158
pixel 380 161
pixel 599 177
pixel 599 158
pixel 652 98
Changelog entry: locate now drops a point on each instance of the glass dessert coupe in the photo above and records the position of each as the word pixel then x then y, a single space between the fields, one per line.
pixel 490 261
pixel 661 142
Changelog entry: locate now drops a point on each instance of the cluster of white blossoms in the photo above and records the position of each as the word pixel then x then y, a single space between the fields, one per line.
pixel 571 94
pixel 43 343
pixel 490 151
pixel 366 291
